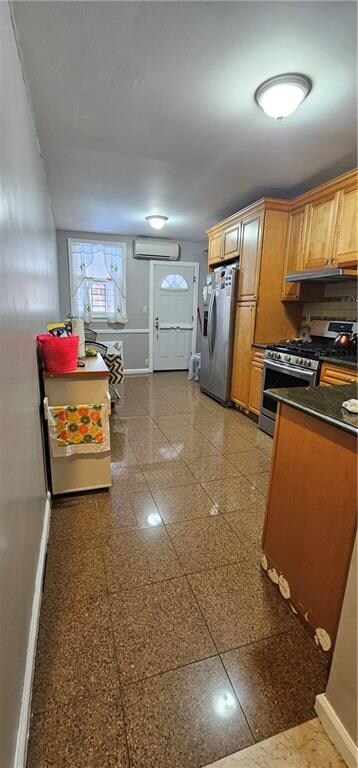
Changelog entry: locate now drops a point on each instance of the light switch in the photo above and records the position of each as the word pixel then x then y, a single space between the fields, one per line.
pixel 145 310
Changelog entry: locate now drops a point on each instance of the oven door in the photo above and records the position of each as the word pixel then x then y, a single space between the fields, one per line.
pixel 277 376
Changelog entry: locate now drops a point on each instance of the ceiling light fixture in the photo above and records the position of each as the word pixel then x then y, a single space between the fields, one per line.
pixel 157 222
pixel 281 95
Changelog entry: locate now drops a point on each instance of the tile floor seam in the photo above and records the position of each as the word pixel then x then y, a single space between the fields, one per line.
pixel 129 683
pixel 202 615
pixel 238 535
pixel 237 697
pixel 116 660
pixel 254 642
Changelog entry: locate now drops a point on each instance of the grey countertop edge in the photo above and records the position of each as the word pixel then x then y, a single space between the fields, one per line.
pixel 321 415
pixel 345 362
pixel 259 345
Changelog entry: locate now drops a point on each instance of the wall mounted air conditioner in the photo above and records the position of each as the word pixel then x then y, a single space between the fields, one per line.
pixel 156 249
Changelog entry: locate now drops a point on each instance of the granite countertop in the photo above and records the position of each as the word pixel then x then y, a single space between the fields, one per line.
pixel 259 345
pixel 345 362
pixel 323 402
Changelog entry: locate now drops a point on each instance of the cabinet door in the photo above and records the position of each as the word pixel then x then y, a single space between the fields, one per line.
pixel 232 242
pixel 320 221
pixel 256 381
pixel 293 255
pixel 250 258
pixel 215 249
pixel 346 235
pixel 336 374
pixel 244 335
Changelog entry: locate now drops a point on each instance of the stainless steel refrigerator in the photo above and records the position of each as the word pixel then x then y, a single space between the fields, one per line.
pixel 219 294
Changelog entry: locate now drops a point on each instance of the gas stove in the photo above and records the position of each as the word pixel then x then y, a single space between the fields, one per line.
pixel 307 353
pixel 296 363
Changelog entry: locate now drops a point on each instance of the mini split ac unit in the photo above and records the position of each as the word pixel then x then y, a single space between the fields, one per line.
pixel 156 249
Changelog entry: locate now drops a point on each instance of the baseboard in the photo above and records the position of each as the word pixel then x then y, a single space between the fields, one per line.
pixel 336 731
pixel 24 721
pixel 137 371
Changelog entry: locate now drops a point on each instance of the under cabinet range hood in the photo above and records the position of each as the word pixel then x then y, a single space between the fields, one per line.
pixel 330 274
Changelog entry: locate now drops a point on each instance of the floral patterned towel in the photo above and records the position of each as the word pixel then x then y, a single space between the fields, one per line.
pixel 78 429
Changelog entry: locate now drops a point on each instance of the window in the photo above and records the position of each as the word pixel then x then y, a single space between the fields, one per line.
pixel 97 279
pixel 174 283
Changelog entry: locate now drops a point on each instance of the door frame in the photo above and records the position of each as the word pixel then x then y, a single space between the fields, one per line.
pixel 160 262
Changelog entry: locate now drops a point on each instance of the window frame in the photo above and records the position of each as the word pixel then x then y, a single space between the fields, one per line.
pixel 174 288
pixel 99 241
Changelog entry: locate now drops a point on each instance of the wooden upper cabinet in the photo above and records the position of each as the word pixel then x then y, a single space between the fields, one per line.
pixel 251 236
pixel 293 255
pixel 345 246
pixel 242 355
pixel 319 223
pixel 232 242
pixel 216 249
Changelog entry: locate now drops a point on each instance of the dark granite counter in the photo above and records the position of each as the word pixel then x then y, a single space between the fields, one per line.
pixel 345 362
pixel 323 402
pixel 259 346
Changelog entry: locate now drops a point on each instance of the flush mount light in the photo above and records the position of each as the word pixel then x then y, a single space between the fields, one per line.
pixel 281 95
pixel 157 222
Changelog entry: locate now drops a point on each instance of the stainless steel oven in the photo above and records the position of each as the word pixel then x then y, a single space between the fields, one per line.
pixel 279 373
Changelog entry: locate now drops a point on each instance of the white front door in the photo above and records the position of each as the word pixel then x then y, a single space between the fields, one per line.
pixel 173 315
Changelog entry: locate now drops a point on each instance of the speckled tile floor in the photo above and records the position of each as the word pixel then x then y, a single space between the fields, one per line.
pixel 162 644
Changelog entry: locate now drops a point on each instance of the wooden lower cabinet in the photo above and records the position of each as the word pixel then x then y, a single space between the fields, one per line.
pixel 242 355
pixel 256 381
pixel 310 522
pixel 337 374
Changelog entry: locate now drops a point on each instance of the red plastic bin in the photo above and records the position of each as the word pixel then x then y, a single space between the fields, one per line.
pixel 59 353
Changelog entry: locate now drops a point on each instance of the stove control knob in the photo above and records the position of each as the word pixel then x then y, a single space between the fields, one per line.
pixel 287 358
pixel 309 363
pixel 300 360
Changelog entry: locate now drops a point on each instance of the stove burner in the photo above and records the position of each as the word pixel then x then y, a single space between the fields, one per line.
pixel 314 350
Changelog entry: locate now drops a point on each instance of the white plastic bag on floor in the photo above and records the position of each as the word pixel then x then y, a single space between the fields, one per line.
pixel 194 367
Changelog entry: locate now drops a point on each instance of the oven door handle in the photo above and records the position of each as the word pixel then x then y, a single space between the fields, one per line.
pixel 299 373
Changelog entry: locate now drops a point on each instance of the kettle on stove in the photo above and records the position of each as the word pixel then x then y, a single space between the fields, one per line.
pixel 346 340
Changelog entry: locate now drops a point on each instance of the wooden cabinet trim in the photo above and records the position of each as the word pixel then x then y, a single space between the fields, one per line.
pixel 265 203
pixel 344 181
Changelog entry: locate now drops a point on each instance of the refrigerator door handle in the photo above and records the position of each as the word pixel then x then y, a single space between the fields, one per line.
pixel 212 326
pixel 210 314
pixel 45 405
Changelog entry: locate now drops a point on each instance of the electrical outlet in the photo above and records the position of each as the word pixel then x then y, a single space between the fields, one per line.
pixel 145 310
pixel 146 363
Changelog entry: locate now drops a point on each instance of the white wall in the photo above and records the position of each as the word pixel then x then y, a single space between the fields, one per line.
pixel 342 688
pixel 28 300
pixel 135 345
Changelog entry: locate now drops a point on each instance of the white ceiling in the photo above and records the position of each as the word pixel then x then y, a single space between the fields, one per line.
pixel 147 107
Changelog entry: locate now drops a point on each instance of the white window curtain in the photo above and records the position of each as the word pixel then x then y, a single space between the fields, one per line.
pixel 91 261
